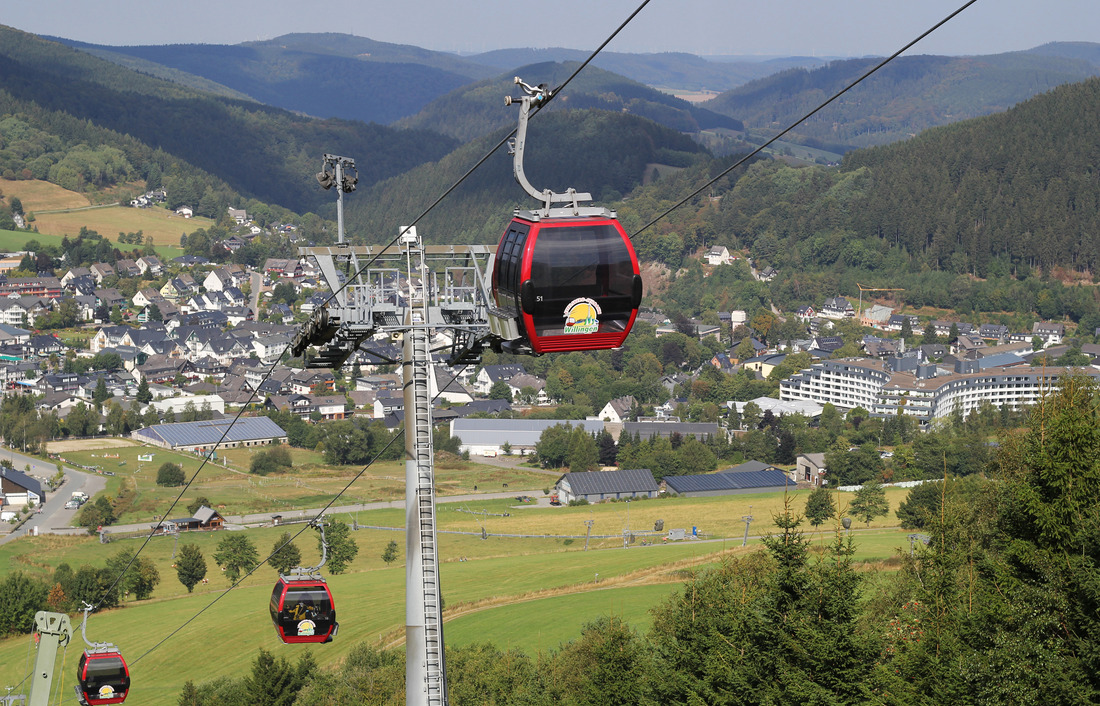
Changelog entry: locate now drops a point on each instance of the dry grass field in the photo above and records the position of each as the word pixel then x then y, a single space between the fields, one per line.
pixel 40 197
pixel 56 447
pixel 227 483
pixel 162 225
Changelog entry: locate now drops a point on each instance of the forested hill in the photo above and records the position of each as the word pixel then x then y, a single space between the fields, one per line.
pixel 1023 184
pixel 904 98
pixel 668 69
pixel 958 217
pixel 261 152
pixel 325 75
pixel 605 153
pixel 475 110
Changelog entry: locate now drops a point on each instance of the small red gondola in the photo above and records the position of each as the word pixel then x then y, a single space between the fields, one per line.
pixel 302 610
pixel 569 283
pixel 103 677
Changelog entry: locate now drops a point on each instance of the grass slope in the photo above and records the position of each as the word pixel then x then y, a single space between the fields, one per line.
pixel 532 594
pixel 520 601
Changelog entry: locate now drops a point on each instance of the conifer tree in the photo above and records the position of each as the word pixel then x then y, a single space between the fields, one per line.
pixel 144 396
pixel 190 566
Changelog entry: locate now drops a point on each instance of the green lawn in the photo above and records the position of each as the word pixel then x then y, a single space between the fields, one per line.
pixel 533 595
pixel 15 240
pixel 545 624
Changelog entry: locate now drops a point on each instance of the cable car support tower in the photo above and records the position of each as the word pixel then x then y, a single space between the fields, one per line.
pixel 436 300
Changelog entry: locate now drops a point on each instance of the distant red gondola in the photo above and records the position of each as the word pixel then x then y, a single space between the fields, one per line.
pixel 103 677
pixel 302 610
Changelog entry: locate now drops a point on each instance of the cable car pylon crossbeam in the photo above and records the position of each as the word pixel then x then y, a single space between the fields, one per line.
pixel 450 297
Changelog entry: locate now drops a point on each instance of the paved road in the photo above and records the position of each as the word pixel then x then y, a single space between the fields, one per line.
pixel 264 518
pixel 54 518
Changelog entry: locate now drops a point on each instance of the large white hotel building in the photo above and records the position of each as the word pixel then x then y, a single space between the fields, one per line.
pixel 925 393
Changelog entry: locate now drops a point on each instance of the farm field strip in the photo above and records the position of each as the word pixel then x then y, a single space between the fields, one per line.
pixel 310 484
pixel 495 577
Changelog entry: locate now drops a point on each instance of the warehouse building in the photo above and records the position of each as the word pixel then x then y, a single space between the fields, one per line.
pixel 597 486
pixel 203 436
pixel 486 437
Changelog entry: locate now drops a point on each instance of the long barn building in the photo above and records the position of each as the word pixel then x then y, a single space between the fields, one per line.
pixel 202 436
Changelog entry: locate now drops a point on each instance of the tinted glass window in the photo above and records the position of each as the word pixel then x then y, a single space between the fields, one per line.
pixel 581 262
pixel 509 261
pixel 316 597
pixel 105 671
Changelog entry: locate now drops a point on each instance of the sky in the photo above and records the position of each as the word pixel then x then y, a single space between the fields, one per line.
pixel 706 27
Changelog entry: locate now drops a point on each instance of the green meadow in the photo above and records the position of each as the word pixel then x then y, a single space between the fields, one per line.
pixel 511 592
pixel 524 593
pixel 530 593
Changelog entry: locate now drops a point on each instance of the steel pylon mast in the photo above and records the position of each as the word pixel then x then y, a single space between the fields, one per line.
pixel 435 299
pixel 54 630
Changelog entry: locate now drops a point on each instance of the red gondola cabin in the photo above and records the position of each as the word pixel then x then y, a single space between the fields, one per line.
pixel 302 611
pixel 103 677
pixel 569 284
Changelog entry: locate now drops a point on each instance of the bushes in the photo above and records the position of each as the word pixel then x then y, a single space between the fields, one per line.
pixel 20 598
pixel 275 460
pixel 96 514
pixel 170 475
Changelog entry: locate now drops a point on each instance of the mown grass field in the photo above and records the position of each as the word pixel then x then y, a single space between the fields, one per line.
pixel 14 240
pixel 234 491
pixel 541 625
pixel 515 593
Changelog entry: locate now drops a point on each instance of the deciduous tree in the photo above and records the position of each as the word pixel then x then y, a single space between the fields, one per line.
pixel 236 553
pixel 285 555
pixel 342 549
pixel 170 474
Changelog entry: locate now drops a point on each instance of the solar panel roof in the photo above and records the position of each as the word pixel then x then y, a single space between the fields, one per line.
pixel 728 481
pixel 209 433
pixel 631 480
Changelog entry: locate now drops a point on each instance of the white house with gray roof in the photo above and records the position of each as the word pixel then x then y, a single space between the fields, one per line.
pixel 485 437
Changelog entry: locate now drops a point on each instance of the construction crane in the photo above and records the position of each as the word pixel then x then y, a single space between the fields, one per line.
pixel 862 289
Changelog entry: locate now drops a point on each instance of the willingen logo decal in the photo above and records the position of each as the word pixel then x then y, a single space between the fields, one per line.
pixel 582 316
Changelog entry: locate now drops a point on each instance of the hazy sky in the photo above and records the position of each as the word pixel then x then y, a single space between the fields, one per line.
pixel 769 27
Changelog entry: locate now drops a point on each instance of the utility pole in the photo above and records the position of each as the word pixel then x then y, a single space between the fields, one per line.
pixel 748 521
pixel 626 534
pixel 588 524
